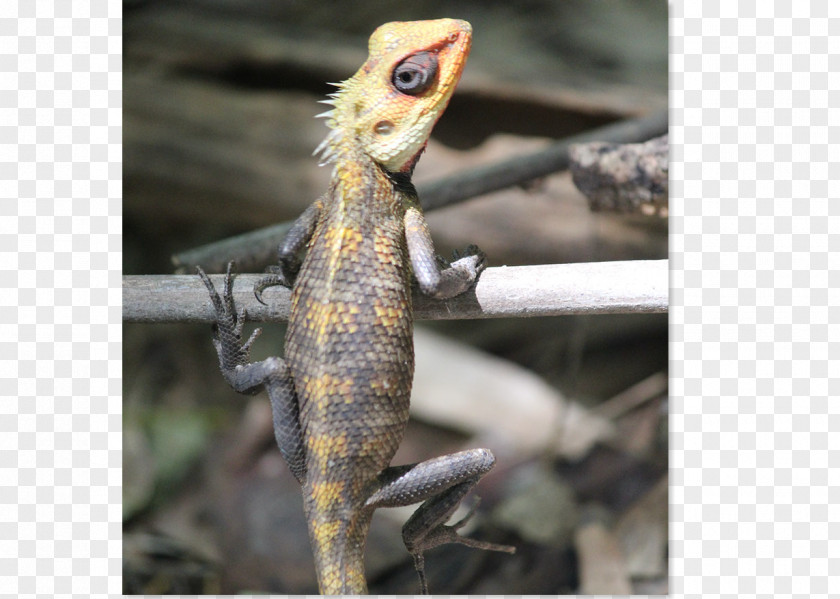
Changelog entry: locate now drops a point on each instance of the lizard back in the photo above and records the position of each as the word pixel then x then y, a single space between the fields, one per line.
pixel 350 351
pixel 349 341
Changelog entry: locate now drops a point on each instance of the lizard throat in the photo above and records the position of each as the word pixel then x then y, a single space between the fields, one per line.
pixel 401 180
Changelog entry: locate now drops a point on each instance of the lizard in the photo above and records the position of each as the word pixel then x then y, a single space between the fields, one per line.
pixel 340 397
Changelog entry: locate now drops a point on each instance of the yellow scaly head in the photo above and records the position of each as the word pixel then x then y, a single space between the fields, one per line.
pixel 388 108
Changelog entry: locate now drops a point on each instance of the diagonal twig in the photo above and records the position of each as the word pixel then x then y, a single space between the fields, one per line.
pixel 253 250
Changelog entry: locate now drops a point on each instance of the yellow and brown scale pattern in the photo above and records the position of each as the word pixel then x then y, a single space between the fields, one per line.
pixel 350 352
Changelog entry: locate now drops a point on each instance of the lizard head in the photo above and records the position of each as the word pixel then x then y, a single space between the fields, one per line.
pixel 388 108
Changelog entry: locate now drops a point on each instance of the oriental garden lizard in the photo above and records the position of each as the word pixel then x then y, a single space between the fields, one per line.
pixel 340 397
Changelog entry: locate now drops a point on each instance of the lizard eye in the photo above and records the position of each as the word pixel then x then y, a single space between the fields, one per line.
pixel 415 74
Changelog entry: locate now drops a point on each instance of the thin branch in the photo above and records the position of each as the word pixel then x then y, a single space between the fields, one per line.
pixel 502 292
pixel 252 251
pixel 522 169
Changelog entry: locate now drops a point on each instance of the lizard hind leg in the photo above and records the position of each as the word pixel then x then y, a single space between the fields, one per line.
pixel 441 483
pixel 249 378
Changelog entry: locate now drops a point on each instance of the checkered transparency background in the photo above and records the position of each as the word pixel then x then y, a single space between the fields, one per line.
pixel 754 197
pixel 755 134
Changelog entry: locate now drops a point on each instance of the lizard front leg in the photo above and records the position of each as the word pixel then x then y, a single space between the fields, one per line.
pixel 288 261
pixel 249 378
pixel 435 282
pixel 441 483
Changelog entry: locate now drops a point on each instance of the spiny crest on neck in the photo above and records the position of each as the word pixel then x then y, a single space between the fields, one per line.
pixel 327 150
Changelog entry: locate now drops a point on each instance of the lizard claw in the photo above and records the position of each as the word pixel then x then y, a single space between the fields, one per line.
pixel 471 258
pixel 283 274
pixel 470 254
pixel 227 331
pixel 444 534
pixel 441 261
pixel 267 281
pixel 447 533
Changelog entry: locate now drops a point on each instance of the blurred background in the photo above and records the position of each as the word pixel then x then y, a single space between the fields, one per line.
pixel 219 97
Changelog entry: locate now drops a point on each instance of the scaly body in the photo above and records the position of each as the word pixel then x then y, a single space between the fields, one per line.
pixel 341 396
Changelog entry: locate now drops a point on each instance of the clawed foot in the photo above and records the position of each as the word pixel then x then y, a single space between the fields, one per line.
pixel 227 332
pixel 470 258
pixel 283 274
pixel 443 534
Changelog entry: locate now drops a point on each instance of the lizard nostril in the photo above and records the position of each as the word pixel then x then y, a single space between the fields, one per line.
pixel 383 128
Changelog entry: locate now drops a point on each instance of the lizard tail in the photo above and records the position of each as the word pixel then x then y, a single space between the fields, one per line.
pixel 338 546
